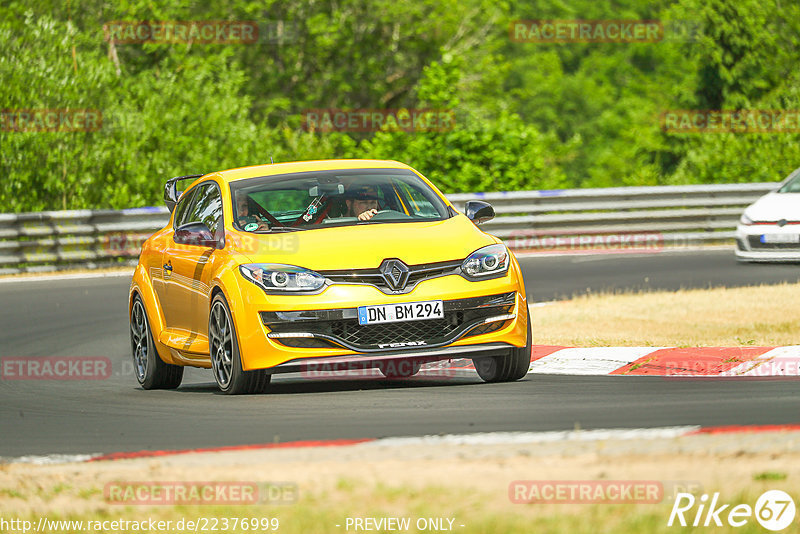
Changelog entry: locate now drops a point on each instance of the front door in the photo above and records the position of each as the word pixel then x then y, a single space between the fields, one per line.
pixel 188 268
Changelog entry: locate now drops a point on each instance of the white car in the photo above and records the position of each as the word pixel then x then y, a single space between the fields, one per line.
pixel 769 229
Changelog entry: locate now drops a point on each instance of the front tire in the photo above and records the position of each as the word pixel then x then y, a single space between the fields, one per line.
pixel 226 362
pixel 151 371
pixel 509 368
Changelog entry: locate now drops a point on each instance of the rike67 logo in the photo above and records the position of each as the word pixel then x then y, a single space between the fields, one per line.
pixel 774 510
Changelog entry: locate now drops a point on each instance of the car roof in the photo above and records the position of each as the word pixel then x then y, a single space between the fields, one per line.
pixel 271 169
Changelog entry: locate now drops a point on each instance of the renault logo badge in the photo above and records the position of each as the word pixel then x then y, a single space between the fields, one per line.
pixel 395 272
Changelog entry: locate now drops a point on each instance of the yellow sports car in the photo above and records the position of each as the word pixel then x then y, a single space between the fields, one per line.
pixel 352 263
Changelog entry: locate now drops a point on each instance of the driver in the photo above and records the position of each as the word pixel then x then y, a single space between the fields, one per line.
pixel 249 222
pixel 362 202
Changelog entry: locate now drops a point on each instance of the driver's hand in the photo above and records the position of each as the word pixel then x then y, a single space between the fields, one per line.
pixel 262 224
pixel 367 215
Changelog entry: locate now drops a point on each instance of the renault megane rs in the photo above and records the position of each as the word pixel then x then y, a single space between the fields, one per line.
pixel 277 268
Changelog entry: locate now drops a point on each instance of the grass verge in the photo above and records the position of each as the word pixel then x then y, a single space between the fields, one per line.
pixel 766 315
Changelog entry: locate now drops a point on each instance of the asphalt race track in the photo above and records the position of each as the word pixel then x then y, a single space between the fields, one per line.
pixel 560 277
pixel 89 318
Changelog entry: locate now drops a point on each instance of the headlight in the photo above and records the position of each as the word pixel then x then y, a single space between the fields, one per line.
pixel 486 261
pixel 745 220
pixel 276 277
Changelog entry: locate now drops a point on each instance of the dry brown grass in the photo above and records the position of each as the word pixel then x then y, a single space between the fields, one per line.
pixel 760 316
pixel 468 483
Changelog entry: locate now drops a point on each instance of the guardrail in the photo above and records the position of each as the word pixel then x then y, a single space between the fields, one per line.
pixel 49 240
pixel 659 216
pixel 651 217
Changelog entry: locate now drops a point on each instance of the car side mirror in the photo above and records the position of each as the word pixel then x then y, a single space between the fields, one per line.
pixel 170 194
pixel 195 233
pixel 479 211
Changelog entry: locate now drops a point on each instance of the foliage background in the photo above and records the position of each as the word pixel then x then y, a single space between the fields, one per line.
pixel 529 116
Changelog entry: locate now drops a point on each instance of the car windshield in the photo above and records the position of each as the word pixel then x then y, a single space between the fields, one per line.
pixel 308 200
pixel 793 183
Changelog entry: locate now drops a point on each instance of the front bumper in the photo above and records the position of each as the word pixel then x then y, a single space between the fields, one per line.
pixel 365 361
pixel 341 329
pixel 750 245
pixel 330 317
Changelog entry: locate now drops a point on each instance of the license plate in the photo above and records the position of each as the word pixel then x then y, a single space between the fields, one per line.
pixel 406 311
pixel 780 238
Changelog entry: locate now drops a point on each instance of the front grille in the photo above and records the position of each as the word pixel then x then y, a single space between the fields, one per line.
pixel 373 277
pixel 462 318
pixel 432 331
pixel 756 244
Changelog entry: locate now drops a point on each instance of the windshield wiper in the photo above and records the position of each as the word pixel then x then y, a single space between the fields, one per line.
pixel 279 229
pixel 286 229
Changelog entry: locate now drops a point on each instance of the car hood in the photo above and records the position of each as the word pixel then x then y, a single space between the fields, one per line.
pixel 366 246
pixel 774 207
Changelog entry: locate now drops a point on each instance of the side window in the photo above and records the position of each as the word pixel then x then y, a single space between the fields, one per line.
pixel 180 209
pixel 205 207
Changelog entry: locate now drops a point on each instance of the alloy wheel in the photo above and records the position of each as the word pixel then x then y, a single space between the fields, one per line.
pixel 221 345
pixel 139 340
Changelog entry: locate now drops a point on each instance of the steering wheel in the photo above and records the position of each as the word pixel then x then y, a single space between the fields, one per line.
pixel 389 214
